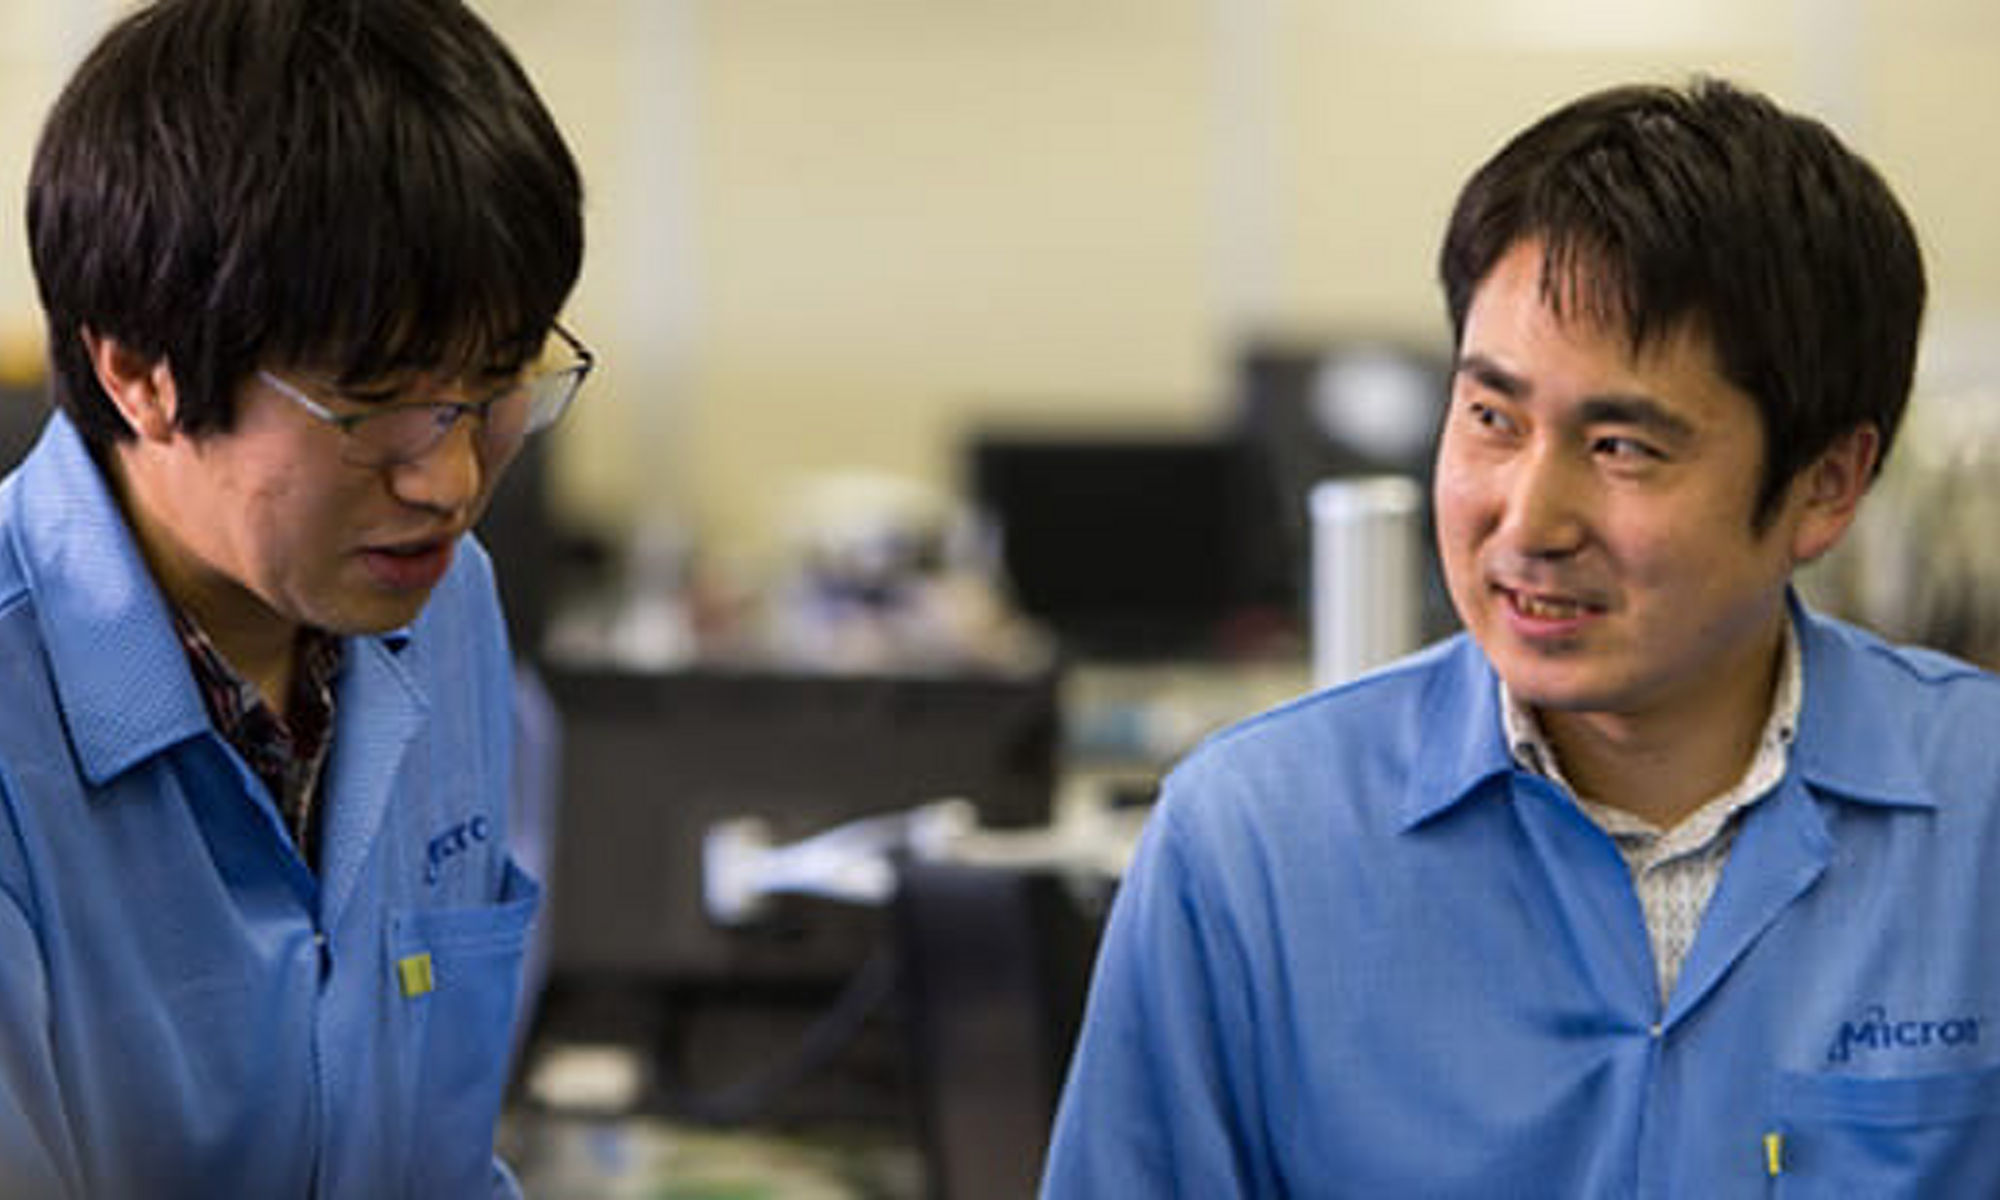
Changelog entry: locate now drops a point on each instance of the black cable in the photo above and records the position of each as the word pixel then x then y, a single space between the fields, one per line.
pixel 873 983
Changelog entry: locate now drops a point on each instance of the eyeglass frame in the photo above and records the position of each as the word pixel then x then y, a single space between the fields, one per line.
pixel 459 410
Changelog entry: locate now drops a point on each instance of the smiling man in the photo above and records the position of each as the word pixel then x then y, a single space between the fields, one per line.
pixel 1653 882
pixel 259 932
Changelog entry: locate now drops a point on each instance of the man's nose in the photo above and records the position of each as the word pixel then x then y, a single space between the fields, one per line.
pixel 1548 505
pixel 447 477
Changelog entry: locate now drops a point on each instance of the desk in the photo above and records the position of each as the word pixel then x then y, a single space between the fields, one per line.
pixel 1125 719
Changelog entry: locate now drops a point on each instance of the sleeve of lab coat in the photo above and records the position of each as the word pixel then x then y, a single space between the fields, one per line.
pixel 37 1160
pixel 1160 1099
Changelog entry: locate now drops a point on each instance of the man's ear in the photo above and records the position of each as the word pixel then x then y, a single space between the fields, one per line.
pixel 1830 490
pixel 141 387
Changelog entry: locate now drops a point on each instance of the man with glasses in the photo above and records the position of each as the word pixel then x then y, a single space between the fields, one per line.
pixel 259 931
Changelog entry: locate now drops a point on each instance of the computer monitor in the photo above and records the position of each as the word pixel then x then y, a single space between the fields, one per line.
pixel 1311 410
pixel 652 761
pixel 520 534
pixel 782 1018
pixel 23 412
pixel 1127 545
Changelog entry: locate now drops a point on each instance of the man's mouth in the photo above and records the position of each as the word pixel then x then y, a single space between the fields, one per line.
pixel 416 544
pixel 410 549
pixel 1545 607
pixel 409 566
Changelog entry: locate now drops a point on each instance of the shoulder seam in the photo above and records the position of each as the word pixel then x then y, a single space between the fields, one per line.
pixel 1418 662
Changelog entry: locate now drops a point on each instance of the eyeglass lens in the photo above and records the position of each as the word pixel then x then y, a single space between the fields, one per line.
pixel 412 431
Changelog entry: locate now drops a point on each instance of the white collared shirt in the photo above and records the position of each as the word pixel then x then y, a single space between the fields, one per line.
pixel 1675 870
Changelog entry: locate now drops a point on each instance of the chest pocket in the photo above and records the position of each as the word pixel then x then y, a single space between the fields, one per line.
pixel 456 973
pixel 1923 1136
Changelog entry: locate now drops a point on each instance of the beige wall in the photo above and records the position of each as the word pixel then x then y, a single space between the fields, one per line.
pixel 39 40
pixel 829 233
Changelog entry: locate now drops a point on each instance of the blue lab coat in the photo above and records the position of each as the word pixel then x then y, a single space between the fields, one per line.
pixel 1362 954
pixel 185 1009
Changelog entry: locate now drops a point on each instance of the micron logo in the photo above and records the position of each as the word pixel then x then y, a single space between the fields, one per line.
pixel 1875 1031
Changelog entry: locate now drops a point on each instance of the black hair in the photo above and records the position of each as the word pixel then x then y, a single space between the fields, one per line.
pixel 1660 209
pixel 362 186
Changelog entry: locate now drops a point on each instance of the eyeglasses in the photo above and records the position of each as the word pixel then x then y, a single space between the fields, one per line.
pixel 394 434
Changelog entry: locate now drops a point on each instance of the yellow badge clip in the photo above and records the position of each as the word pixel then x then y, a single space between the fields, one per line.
pixel 1774 1154
pixel 415 972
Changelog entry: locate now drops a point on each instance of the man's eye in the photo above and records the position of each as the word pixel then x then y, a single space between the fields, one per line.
pixel 1627 449
pixel 1488 417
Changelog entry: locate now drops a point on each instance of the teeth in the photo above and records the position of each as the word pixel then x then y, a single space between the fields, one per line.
pixel 1550 610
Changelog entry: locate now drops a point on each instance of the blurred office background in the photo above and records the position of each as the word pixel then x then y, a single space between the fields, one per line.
pixel 966 365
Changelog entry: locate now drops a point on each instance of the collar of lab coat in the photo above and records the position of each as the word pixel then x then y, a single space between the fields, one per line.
pixel 1848 747
pixel 126 689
